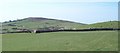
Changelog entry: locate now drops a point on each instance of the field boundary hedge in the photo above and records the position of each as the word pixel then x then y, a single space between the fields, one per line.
pixel 67 30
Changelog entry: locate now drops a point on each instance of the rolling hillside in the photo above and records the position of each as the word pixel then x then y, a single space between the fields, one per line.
pixel 108 24
pixel 39 22
pixel 59 41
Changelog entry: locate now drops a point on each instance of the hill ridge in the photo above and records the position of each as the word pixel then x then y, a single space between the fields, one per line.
pixel 41 22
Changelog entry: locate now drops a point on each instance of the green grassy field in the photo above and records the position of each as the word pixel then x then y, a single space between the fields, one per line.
pixel 0 42
pixel 108 24
pixel 61 41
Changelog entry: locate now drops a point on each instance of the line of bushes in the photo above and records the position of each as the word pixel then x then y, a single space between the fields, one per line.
pixel 44 31
pixel 91 29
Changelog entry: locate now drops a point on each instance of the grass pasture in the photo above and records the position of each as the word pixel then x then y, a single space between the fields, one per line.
pixel 0 42
pixel 61 41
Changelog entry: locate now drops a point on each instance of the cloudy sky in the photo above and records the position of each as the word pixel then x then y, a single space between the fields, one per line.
pixel 82 11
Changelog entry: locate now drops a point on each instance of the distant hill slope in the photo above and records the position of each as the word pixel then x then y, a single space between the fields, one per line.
pixel 108 24
pixel 39 22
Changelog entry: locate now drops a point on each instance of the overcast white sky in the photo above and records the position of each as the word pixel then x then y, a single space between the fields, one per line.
pixel 83 11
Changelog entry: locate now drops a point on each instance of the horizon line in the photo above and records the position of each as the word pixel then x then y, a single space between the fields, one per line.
pixel 56 19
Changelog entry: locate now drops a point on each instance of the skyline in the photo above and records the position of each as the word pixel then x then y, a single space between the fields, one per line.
pixel 82 12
